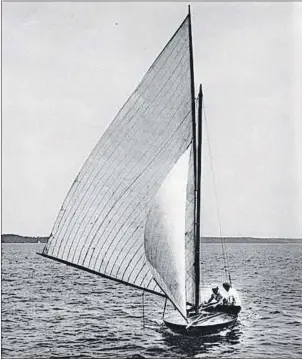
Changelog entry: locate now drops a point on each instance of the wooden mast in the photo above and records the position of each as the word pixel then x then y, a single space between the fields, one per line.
pixel 198 190
pixel 196 171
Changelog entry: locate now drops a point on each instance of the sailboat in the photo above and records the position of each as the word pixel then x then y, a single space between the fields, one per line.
pixel 132 214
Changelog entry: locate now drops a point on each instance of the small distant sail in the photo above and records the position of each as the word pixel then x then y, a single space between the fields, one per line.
pixel 100 227
pixel 165 240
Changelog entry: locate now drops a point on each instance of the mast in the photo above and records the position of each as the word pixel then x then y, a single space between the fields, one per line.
pixel 198 187
pixel 196 156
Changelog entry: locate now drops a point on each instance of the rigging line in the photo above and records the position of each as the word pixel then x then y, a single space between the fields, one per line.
pixel 225 262
pixel 143 299
pixel 165 305
pixel 224 253
pixel 202 250
pixel 155 304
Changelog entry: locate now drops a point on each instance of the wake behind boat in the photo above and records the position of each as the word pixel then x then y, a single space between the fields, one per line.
pixel 133 213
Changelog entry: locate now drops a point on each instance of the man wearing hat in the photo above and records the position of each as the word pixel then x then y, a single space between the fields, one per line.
pixel 232 301
pixel 216 296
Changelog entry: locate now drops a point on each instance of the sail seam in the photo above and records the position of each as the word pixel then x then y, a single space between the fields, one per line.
pixel 117 118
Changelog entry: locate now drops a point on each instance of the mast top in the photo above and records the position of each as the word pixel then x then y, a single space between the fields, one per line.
pixel 200 90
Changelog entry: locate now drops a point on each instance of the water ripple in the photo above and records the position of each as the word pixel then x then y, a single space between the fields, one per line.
pixel 53 311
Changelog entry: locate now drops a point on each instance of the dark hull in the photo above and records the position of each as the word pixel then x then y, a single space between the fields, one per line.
pixel 212 325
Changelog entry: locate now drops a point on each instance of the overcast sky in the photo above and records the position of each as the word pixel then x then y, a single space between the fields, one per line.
pixel 69 67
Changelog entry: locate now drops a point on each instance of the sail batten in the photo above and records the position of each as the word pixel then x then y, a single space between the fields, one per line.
pixel 100 227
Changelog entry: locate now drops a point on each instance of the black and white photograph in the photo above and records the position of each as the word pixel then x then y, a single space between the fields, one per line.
pixel 151 180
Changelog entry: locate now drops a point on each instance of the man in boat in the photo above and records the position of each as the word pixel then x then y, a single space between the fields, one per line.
pixel 216 296
pixel 190 310
pixel 207 306
pixel 228 304
pixel 232 303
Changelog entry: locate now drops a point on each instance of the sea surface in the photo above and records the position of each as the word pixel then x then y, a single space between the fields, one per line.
pixel 50 310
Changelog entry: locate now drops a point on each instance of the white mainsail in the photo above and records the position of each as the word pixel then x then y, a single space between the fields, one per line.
pixel 189 234
pixel 100 226
pixel 165 239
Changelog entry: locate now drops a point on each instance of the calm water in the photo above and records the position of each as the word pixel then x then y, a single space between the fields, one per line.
pixel 50 310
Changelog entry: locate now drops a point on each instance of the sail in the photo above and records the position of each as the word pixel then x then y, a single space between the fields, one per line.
pixel 189 233
pixel 165 238
pixel 100 226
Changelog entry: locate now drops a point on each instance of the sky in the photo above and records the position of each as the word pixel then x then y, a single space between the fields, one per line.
pixel 67 68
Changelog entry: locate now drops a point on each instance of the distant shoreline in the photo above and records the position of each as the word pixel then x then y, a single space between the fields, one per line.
pixel 15 238
pixel 247 240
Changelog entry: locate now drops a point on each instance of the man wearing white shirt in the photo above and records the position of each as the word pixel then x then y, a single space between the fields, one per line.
pixel 232 301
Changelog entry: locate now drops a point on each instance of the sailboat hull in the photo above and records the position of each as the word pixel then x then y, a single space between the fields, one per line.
pixel 208 324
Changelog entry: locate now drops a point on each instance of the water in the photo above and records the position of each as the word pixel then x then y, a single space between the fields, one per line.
pixel 50 310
